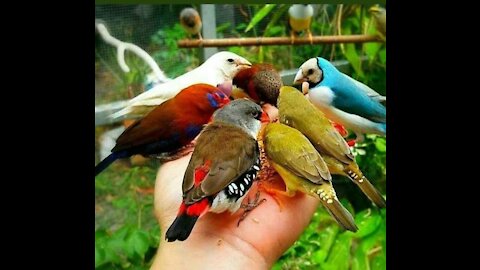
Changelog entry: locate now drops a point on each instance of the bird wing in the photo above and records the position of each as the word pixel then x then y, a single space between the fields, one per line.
pixel 349 98
pixel 369 91
pixel 148 129
pixel 290 148
pixel 227 163
pixel 165 91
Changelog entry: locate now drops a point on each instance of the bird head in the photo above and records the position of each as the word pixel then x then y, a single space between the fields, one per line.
pixel 243 113
pixel 301 11
pixel 309 72
pixel 190 20
pixel 376 10
pixel 228 63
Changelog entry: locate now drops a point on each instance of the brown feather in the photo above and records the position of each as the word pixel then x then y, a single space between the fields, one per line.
pixel 231 151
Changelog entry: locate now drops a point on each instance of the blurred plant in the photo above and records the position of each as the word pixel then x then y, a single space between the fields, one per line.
pixel 324 246
pixel 126 234
pixel 165 49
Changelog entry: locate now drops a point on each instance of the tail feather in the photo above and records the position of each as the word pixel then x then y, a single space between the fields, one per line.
pixel 367 188
pixel 341 215
pixel 107 161
pixel 181 228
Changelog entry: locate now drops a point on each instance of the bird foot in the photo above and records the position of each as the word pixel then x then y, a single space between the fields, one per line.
pixel 249 206
pixel 310 37
pixel 277 193
pixel 292 37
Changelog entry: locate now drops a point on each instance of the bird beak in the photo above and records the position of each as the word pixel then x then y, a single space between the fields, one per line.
pixel 264 118
pixel 299 77
pixel 243 63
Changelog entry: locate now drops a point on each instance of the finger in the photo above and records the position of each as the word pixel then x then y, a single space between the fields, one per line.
pixel 168 190
pixel 271 110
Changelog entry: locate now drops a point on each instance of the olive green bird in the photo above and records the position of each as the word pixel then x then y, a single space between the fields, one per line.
pixel 303 169
pixel 296 111
pixel 379 15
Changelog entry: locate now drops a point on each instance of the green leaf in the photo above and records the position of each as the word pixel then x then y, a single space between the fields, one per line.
pixel 383 56
pixel 339 257
pixel 379 262
pixel 222 27
pixel 352 56
pixel 137 243
pixel 99 256
pixel 367 223
pixel 381 145
pixel 259 16
pixel 360 260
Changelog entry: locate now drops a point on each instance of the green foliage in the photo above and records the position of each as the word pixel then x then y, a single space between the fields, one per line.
pixel 260 15
pixel 323 245
pixel 126 234
pixel 184 59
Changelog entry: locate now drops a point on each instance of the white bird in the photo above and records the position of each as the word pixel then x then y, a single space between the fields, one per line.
pixel 217 69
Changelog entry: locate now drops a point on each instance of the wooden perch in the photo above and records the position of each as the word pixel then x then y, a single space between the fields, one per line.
pixel 267 41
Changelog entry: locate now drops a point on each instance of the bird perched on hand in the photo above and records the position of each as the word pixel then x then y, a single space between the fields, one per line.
pixel 170 126
pixel 297 112
pixel 261 82
pixel 191 21
pixel 343 99
pixel 222 167
pixel 303 169
pixel 379 15
pixel 300 18
pixel 217 69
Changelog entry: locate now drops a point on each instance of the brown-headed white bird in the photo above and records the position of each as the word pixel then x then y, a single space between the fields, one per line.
pixel 300 18
pixel 217 69
pixel 191 21
pixel 261 82
pixel 222 167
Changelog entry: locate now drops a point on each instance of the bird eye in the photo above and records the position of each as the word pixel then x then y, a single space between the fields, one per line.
pixel 230 60
pixel 310 71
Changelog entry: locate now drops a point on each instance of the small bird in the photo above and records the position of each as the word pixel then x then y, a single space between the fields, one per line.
pixel 343 99
pixel 222 168
pixel 191 21
pixel 379 15
pixel 303 169
pixel 297 112
pixel 217 69
pixel 170 126
pixel 261 82
pixel 300 18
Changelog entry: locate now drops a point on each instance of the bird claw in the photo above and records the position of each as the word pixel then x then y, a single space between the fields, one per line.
pixel 310 37
pixel 249 206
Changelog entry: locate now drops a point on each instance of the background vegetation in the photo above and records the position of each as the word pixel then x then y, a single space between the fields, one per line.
pixel 127 234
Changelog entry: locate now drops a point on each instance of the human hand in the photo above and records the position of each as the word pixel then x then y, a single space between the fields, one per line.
pixel 216 241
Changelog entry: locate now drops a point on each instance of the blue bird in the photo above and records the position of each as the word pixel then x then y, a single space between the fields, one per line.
pixel 343 99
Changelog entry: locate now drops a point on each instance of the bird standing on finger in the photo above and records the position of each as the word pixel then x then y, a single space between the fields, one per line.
pixel 170 126
pixel 303 169
pixel 191 21
pixel 297 112
pixel 222 168
pixel 217 69
pixel 343 99
pixel 300 19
